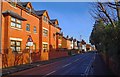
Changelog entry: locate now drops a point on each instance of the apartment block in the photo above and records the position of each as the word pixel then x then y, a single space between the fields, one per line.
pixel 21 24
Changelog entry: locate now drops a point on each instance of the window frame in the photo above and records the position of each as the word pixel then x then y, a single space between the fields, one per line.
pixel 35 29
pixel 12 2
pixel 45 19
pixel 45 32
pixel 15 46
pixel 15 21
pixel 45 47
pixel 27 27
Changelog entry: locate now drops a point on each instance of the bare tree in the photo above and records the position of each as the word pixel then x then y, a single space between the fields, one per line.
pixel 109 12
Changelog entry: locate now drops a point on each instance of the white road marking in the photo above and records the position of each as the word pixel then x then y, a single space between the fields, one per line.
pixel 66 65
pixel 89 66
pixel 50 72
pixel 76 60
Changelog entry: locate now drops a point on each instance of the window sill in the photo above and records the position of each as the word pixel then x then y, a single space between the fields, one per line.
pixel 28 31
pixel 35 33
pixel 45 36
pixel 16 28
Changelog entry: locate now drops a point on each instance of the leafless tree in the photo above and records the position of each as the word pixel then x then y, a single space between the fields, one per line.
pixel 109 12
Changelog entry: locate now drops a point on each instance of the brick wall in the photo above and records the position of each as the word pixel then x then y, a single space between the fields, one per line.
pixel 13 59
pixel 0 61
pixel 57 54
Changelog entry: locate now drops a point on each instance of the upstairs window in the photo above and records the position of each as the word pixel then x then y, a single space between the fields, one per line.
pixel 45 19
pixel 29 10
pixel 28 27
pixel 45 32
pixel 12 2
pixel 16 23
pixel 35 29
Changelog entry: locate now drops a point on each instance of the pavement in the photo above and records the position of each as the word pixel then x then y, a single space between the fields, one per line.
pixel 82 65
pixel 100 68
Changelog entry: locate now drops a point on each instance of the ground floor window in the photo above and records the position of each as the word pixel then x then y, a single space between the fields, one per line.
pixel 59 46
pixel 15 46
pixel 45 47
pixel 27 47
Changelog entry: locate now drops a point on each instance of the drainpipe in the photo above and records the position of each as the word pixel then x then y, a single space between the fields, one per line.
pixel 0 26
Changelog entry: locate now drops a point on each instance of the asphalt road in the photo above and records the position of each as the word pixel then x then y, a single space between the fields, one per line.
pixel 76 65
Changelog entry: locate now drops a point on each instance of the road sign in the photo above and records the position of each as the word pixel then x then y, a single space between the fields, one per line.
pixel 29 41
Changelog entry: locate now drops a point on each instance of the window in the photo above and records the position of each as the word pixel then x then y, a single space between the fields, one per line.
pixel 59 46
pixel 16 23
pixel 45 18
pixel 29 10
pixel 12 2
pixel 28 27
pixel 60 37
pixel 27 47
pixel 45 32
pixel 15 46
pixel 45 47
pixel 35 29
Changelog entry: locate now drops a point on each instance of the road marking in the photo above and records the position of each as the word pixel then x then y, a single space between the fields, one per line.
pixel 50 72
pixel 89 66
pixel 66 65
pixel 76 60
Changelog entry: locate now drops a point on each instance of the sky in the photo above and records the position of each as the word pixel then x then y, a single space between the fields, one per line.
pixel 74 17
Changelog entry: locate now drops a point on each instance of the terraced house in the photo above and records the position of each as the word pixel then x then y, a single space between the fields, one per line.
pixel 20 24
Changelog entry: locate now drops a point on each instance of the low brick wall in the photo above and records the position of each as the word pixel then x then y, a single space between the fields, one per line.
pixel 57 54
pixel 13 59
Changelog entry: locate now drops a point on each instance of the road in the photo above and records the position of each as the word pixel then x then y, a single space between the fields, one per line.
pixel 76 65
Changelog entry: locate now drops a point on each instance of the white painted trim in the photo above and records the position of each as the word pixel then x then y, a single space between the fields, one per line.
pixel 44 42
pixel 16 39
pixel 45 28
pixel 59 44
pixel 16 28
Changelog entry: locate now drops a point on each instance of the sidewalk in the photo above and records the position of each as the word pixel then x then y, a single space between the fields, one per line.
pixel 10 70
pixel 100 68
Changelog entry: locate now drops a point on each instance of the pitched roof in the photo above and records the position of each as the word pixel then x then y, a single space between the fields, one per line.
pixel 53 20
pixel 40 12
pixel 24 5
pixel 11 13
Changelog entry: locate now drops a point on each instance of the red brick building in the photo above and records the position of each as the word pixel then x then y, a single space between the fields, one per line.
pixel 19 22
